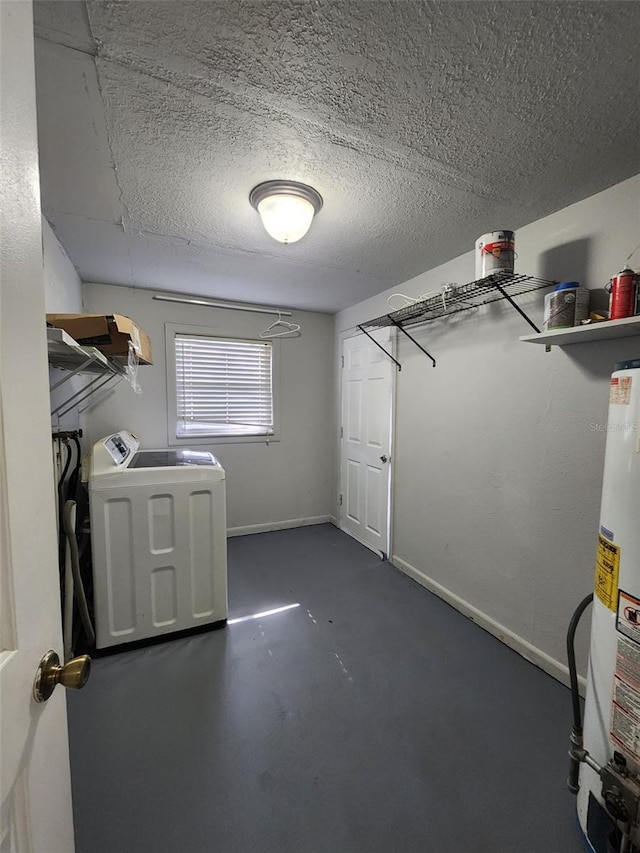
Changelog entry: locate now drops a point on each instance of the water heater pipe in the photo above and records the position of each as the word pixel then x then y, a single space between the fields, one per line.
pixel 577 752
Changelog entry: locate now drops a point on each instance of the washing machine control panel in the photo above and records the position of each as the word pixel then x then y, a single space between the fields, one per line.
pixel 117 449
pixel 120 446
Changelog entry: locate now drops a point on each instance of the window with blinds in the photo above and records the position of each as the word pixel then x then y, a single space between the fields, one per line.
pixel 223 387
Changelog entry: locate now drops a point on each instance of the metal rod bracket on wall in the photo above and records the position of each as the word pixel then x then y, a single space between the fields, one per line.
pixel 404 331
pixel 507 296
pixel 371 338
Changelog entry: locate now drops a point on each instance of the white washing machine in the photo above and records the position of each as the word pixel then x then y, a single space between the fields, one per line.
pixel 158 537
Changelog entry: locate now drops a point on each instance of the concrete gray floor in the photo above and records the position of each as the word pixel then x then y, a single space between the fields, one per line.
pixel 373 718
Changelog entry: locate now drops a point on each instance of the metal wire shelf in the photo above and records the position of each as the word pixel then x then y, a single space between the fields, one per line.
pixel 66 354
pixel 453 300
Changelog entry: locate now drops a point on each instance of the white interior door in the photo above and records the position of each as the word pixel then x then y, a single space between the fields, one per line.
pixel 34 761
pixel 367 397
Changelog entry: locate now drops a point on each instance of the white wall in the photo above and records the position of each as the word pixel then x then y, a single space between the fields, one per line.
pixel 269 485
pixel 63 295
pixel 498 467
pixel 62 285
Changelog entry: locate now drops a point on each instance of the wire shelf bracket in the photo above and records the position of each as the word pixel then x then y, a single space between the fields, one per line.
pixel 454 300
pixel 76 360
pixel 379 345
pixel 404 331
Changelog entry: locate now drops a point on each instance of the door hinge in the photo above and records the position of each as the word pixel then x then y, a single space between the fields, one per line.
pixel 341 432
pixel 340 500
pixel 342 360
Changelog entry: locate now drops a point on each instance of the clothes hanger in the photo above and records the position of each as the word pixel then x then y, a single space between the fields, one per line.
pixel 290 329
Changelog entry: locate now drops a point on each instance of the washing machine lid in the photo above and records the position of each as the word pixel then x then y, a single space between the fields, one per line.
pixel 172 458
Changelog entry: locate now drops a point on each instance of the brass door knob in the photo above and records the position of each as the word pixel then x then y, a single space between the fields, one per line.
pixel 73 674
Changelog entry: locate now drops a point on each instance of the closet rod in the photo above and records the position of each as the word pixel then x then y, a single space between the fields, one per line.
pixel 188 300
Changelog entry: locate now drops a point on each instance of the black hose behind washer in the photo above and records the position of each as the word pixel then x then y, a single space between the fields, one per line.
pixel 62 496
pixel 75 474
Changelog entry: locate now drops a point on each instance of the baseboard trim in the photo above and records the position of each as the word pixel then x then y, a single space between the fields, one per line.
pixel 534 655
pixel 333 520
pixel 248 529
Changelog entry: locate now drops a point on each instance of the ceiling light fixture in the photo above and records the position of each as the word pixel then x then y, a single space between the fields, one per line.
pixel 286 208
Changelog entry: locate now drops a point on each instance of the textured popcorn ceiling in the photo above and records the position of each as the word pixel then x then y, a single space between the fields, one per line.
pixel 422 125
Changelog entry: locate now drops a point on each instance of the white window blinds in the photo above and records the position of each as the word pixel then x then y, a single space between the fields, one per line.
pixel 223 387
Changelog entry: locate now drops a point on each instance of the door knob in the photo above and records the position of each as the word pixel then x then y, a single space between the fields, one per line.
pixel 73 674
pixel 383 458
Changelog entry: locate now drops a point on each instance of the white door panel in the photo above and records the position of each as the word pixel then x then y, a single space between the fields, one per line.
pixel 367 389
pixel 377 403
pixel 354 357
pixel 353 491
pixel 354 411
pixel 375 507
pixel 35 790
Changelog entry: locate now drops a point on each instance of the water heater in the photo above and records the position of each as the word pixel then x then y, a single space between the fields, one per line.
pixel 609 794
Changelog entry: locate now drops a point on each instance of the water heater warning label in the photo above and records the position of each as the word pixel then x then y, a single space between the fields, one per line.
pixel 628 617
pixel 625 709
pixel 607 570
pixel 620 392
pixel 625 729
pixel 626 698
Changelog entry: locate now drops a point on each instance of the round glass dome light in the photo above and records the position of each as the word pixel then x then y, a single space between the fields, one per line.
pixel 286 208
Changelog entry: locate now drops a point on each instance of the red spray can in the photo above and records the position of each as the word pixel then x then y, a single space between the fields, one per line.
pixel 622 302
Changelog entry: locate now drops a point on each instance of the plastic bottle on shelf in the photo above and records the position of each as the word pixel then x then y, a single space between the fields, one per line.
pixel 566 306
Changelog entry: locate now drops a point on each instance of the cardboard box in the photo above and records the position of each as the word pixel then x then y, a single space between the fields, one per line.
pixel 109 333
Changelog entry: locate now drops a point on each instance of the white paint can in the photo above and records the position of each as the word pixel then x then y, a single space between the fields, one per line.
pixel 495 252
